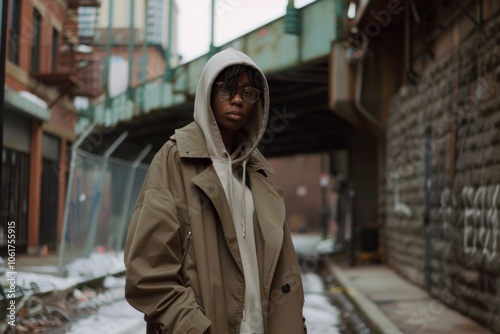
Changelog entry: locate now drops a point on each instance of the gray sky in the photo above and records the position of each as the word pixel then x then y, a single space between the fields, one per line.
pixel 233 18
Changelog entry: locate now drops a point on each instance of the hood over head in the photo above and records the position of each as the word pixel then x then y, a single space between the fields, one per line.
pixel 204 116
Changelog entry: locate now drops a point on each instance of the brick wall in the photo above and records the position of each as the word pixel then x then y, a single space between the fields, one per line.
pixel 457 99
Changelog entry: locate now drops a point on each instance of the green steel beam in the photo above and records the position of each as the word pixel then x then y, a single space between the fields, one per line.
pixel 340 20
pixel 168 75
pixel 109 41
pixel 269 46
pixel 212 49
pixel 131 43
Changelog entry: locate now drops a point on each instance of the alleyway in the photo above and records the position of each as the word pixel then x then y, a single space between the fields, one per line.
pixel 103 308
pixel 119 317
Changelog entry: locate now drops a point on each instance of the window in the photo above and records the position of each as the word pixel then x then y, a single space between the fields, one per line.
pixel 55 49
pixel 35 48
pixel 14 33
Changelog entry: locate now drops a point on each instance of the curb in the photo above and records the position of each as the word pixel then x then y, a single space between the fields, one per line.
pixel 370 311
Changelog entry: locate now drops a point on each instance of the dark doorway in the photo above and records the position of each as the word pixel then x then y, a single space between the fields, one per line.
pixel 49 204
pixel 14 208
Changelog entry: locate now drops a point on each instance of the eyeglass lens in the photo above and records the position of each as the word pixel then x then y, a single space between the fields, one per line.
pixel 248 94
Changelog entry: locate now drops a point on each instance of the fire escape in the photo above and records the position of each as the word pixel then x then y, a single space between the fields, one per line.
pixel 76 70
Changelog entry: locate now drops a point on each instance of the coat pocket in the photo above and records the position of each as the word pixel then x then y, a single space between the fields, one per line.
pixel 185 247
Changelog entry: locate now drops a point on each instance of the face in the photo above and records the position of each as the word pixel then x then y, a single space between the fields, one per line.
pixel 232 114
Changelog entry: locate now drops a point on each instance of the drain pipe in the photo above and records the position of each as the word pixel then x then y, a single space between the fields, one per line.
pixel 69 189
pixel 357 100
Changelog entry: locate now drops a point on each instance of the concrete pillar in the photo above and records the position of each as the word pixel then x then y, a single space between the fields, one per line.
pixel 35 187
pixel 63 169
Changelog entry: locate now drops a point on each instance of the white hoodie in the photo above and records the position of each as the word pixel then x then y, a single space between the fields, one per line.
pixel 232 174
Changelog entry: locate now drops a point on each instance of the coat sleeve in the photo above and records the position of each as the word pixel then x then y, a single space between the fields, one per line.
pixel 153 257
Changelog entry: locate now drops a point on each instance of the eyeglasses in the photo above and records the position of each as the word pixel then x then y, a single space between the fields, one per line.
pixel 248 94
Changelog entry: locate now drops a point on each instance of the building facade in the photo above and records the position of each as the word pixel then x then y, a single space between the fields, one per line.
pixel 39 120
pixel 148 42
pixel 438 104
pixel 151 19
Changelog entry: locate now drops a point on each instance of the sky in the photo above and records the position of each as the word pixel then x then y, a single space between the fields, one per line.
pixel 233 18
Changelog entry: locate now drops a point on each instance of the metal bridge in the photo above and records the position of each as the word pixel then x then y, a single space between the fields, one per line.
pixel 296 64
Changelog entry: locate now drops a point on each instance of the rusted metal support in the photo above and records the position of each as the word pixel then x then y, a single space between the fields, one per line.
pixel 3 43
pixel 352 243
pixel 410 73
pixel 479 23
pixel 427 209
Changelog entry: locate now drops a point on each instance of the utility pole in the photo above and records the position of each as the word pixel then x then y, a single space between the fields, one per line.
pixel 109 40
pixel 144 63
pixel 212 31
pixel 325 212
pixel 131 44
pixel 168 75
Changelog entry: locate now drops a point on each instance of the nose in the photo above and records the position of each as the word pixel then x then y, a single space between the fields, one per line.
pixel 237 99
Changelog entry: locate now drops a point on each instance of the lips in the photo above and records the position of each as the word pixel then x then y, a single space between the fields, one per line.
pixel 234 115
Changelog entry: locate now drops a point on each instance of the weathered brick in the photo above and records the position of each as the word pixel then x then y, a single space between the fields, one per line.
pixel 477 156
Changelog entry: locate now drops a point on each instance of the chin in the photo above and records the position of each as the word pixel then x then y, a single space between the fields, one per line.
pixel 231 126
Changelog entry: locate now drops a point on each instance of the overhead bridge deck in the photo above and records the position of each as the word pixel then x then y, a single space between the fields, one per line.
pixel 297 69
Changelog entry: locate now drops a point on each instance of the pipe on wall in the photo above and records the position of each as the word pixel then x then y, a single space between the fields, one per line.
pixel 359 95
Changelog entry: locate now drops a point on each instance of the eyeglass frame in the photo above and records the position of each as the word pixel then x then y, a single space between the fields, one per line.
pixel 238 91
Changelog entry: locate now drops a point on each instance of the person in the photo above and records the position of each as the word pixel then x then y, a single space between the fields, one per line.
pixel 208 249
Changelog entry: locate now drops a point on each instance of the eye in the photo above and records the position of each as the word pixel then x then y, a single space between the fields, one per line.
pixel 250 93
pixel 223 88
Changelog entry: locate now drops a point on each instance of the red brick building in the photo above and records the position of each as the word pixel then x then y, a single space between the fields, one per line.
pixel 39 118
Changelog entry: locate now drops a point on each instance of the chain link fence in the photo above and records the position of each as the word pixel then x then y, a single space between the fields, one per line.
pixel 103 192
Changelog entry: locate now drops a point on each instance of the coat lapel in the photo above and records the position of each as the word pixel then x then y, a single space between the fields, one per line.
pixel 270 212
pixel 209 183
pixel 268 202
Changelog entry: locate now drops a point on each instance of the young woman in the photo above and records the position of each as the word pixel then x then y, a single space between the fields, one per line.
pixel 208 248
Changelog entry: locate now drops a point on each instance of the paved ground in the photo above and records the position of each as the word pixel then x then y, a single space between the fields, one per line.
pixel 394 305
pixel 389 302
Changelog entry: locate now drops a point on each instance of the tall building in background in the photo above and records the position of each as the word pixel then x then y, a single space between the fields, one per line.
pixel 87 20
pixel 157 19
pixel 150 39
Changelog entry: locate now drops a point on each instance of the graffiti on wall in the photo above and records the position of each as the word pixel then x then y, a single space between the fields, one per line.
pixel 448 202
pixel 399 206
pixel 480 217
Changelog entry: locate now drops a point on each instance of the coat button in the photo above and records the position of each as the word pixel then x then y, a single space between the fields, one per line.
pixel 285 288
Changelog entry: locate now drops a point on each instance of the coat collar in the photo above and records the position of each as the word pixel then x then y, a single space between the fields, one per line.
pixel 191 144
pixel 270 212
pixel 268 202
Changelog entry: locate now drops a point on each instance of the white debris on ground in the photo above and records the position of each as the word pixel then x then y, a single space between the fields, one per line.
pixel 97 265
pixel 119 317
pixel 112 314
pixel 321 316
pixel 78 271
pixel 115 315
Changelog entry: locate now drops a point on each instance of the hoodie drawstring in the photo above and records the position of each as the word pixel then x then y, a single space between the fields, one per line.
pixel 230 179
pixel 243 205
pixel 243 188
